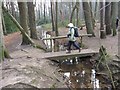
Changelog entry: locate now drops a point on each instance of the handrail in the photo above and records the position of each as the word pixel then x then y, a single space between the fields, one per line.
pixel 61 37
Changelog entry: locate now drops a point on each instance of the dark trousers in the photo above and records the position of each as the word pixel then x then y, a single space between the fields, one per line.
pixel 70 43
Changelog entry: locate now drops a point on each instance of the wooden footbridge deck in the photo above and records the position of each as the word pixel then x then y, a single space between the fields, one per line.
pixel 63 55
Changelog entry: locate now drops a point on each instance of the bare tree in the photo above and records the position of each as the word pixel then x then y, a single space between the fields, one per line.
pixel 102 32
pixel 45 12
pixel 56 26
pixel 3 52
pixel 77 14
pixel 88 19
pixel 107 18
pixel 12 8
pixel 1 35
pixel 32 24
pixel 3 24
pixel 113 16
pixel 52 17
pixel 101 16
pixel 72 14
pixel 93 20
pixel 56 20
pixel 119 9
pixel 23 20
pixel 96 5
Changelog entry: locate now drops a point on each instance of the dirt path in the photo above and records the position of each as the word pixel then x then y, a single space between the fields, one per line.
pixel 12 41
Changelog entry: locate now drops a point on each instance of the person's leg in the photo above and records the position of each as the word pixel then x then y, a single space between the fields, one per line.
pixel 76 45
pixel 69 46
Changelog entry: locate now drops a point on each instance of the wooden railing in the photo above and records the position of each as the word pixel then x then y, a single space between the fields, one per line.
pixel 62 37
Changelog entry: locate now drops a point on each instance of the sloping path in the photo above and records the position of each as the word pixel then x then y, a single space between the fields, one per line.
pixel 12 41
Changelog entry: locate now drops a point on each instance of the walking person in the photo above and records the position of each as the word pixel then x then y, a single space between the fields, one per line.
pixel 71 38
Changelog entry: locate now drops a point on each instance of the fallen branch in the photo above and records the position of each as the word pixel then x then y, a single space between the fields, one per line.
pixel 18 25
pixel 110 73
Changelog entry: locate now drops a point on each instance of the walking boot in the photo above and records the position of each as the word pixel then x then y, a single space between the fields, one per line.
pixel 68 51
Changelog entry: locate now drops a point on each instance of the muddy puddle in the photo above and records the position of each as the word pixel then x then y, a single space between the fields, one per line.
pixel 81 73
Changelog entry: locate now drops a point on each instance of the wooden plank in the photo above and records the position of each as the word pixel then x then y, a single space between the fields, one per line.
pixel 61 37
pixel 63 55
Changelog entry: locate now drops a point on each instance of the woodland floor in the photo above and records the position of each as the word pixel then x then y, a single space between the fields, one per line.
pixel 25 67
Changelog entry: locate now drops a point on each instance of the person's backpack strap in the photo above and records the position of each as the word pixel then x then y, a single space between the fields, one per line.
pixel 71 29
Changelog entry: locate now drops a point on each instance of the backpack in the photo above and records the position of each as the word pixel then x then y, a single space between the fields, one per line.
pixel 75 31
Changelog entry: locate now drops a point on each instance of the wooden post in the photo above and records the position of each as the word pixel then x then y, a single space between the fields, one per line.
pixel 54 49
pixel 102 34
pixel 51 44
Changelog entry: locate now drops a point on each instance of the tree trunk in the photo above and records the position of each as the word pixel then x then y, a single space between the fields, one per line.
pixel 44 13
pixel 101 16
pixel 102 32
pixel 3 24
pixel 71 16
pixel 1 35
pixel 70 7
pixel 18 25
pixel 32 24
pixel 56 28
pixel 107 18
pixel 39 10
pixel 13 9
pixel 52 17
pixel 93 20
pixel 88 19
pixel 119 10
pixel 113 16
pixel 3 52
pixel 23 20
pixel 119 28
pixel 77 14
pixel 56 20
pixel 96 5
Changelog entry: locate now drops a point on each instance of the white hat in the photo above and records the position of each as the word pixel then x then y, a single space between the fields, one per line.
pixel 70 25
